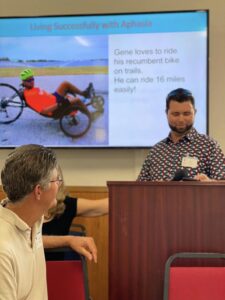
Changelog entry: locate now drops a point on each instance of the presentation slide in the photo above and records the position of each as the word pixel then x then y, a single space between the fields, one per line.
pixel 132 61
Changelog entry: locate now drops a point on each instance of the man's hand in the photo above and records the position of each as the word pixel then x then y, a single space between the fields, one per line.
pixel 83 245
pixel 202 177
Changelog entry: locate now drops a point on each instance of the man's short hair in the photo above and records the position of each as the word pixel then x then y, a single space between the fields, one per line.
pixel 25 167
pixel 180 95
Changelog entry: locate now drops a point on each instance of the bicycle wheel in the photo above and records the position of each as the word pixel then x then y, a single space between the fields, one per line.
pixel 11 104
pixel 75 122
pixel 98 102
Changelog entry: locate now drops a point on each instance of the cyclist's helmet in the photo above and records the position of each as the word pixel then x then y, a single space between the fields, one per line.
pixel 25 74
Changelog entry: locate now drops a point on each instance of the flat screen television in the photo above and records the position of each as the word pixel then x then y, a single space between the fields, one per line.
pixel 132 61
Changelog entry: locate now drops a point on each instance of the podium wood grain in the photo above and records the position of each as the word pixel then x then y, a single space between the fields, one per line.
pixel 148 222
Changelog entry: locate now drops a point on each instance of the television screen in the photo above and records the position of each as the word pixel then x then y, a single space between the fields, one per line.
pixel 99 81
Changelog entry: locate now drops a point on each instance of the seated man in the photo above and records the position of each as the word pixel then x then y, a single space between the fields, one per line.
pixel 30 180
pixel 46 103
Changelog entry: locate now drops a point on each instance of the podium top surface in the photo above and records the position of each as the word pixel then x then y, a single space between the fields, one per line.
pixel 166 183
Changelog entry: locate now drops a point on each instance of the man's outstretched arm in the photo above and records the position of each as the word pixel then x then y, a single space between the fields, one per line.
pixel 83 245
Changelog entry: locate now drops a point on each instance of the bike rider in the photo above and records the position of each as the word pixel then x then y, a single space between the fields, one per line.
pixel 49 104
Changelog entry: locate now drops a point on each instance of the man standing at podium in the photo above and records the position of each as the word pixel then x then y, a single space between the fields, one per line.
pixel 184 149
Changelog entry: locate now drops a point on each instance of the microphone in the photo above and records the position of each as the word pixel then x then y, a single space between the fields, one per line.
pixel 182 174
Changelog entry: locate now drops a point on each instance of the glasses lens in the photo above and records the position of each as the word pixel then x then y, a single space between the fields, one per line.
pixel 29 79
pixel 58 181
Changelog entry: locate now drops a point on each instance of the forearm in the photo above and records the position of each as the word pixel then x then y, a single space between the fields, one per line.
pixel 55 241
pixel 92 208
pixel 83 245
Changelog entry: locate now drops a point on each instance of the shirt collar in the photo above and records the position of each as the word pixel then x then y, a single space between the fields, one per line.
pixel 190 136
pixel 13 219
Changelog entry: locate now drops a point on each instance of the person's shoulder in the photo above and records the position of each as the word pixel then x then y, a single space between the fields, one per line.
pixel 208 142
pixel 207 138
pixel 159 145
pixel 156 149
pixel 7 233
pixel 70 206
pixel 70 201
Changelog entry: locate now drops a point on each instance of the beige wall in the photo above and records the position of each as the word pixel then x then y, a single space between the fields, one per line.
pixel 95 167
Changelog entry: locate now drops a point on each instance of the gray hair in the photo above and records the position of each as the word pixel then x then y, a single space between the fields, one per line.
pixel 25 167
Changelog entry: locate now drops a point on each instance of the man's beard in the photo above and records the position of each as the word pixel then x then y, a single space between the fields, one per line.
pixel 181 130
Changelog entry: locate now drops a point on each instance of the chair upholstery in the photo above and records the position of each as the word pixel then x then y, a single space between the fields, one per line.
pixel 67 280
pixel 67 277
pixel 194 282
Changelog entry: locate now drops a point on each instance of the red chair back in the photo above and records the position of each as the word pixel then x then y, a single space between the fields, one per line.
pixel 197 283
pixel 65 280
pixel 203 281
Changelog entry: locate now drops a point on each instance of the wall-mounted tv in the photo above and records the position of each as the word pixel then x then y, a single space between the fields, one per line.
pixel 131 60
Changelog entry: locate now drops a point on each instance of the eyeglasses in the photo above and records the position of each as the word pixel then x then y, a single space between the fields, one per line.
pixel 29 79
pixel 58 181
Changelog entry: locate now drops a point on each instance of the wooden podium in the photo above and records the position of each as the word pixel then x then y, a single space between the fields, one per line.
pixel 149 221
